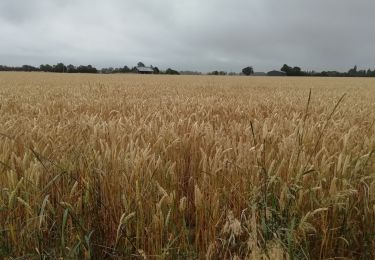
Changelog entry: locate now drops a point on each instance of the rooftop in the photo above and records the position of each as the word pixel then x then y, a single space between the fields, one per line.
pixel 145 69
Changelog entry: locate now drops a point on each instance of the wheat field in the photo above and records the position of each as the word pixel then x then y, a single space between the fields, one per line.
pixel 186 167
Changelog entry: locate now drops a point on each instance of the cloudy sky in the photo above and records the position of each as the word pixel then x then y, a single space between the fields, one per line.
pixel 200 35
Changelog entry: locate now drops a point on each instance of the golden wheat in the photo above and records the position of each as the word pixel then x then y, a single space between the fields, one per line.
pixel 95 166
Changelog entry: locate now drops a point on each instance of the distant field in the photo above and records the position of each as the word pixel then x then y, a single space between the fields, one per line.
pixel 186 167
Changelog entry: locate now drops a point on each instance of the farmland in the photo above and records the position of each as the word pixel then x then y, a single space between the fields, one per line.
pixel 186 167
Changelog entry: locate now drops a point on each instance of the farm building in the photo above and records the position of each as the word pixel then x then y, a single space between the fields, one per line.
pixel 276 73
pixel 144 70
pixel 259 74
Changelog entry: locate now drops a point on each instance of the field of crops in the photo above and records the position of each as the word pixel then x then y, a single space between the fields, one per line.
pixel 186 167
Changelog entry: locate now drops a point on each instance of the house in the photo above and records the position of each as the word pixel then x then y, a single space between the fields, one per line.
pixel 144 70
pixel 276 73
pixel 259 74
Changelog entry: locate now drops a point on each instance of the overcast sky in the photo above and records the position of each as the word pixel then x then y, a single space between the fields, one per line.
pixel 200 35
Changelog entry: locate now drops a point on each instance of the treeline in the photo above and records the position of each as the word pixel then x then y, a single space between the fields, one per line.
pixel 297 71
pixel 247 71
pixel 59 67
pixel 126 69
pixel 22 68
pixel 62 68
pixel 353 72
pixel 222 73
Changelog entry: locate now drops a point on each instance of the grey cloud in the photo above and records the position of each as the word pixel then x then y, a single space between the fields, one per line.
pixel 201 35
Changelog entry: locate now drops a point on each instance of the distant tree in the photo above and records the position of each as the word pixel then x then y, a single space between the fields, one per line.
pixel 189 72
pixel 215 72
pixel 91 69
pixel 59 67
pixel 86 69
pixel 295 71
pixel 28 68
pixel 286 68
pixel 171 72
pixel 107 70
pixel 81 69
pixel 125 69
pixel 71 68
pixel 361 73
pixel 156 70
pixel 353 72
pixel 140 64
pixel 46 68
pixel 248 71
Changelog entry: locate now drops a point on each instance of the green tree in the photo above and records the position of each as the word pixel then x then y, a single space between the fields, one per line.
pixel 171 72
pixel 215 72
pixel 46 68
pixel 286 68
pixel 353 72
pixel 71 68
pixel 295 71
pixel 156 70
pixel 59 67
pixel 125 69
pixel 248 71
